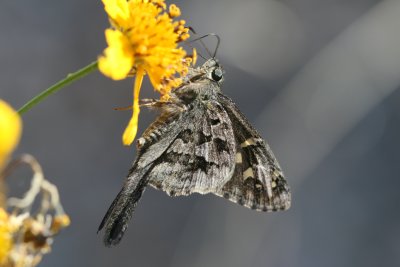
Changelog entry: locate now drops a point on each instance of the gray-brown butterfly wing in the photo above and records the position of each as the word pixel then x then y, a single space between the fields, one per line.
pixel 201 158
pixel 257 182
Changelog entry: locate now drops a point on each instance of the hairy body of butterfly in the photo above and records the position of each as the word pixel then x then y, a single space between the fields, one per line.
pixel 200 143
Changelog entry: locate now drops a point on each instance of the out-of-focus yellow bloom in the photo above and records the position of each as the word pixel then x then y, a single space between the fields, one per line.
pixel 144 40
pixel 10 131
pixel 5 237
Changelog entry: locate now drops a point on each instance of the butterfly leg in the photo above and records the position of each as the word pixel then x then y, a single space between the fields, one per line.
pixel 148 102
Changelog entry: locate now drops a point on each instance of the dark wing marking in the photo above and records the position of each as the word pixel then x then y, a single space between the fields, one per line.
pixel 201 158
pixel 151 148
pixel 257 182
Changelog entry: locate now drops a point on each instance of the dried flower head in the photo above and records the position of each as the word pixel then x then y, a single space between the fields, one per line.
pixel 143 40
pixel 25 236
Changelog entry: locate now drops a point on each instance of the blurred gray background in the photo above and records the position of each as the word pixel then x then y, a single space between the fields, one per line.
pixel 320 79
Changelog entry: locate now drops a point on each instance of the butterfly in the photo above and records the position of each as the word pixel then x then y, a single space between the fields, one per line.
pixel 200 143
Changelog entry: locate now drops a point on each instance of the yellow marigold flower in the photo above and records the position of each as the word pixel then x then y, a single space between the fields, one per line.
pixel 6 243
pixel 144 40
pixel 10 131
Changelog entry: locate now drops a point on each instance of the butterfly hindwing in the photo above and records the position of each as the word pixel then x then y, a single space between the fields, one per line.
pixel 257 182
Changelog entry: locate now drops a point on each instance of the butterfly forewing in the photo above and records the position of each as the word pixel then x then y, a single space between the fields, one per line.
pixel 201 158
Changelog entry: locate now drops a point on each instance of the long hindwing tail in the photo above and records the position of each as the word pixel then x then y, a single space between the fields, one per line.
pixel 163 132
pixel 118 215
pixel 257 182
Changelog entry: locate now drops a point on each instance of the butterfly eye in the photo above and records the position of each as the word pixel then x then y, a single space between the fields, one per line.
pixel 217 74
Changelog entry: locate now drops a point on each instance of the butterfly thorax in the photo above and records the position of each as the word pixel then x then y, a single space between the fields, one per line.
pixel 200 86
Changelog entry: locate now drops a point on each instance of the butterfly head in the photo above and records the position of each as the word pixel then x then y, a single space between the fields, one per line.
pixel 211 70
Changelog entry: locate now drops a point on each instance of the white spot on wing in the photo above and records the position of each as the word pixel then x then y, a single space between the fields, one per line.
pixel 248 142
pixel 239 157
pixel 269 190
pixel 248 173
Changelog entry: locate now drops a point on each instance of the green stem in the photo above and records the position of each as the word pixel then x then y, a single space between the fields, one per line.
pixel 72 77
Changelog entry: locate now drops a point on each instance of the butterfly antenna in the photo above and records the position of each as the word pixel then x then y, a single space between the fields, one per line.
pixel 191 46
pixel 188 43
pixel 218 42
pixel 216 47
pixel 201 42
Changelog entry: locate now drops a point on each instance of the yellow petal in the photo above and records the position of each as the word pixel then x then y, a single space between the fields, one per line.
pixel 10 131
pixel 131 129
pixel 194 56
pixel 117 60
pixel 117 10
